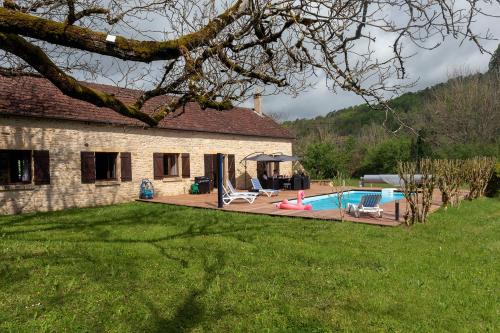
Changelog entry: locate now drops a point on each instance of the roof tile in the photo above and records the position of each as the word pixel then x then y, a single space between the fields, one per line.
pixel 37 97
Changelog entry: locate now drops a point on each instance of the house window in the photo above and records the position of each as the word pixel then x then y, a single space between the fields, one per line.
pixel 105 166
pixel 15 167
pixel 170 165
pixel 166 165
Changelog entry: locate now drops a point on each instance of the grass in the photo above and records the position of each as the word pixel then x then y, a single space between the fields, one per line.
pixel 143 267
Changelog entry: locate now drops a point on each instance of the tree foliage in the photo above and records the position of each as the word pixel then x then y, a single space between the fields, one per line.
pixel 494 65
pixel 384 157
pixel 323 160
pixel 458 119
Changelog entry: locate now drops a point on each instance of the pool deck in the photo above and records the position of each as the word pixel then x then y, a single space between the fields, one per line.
pixel 266 206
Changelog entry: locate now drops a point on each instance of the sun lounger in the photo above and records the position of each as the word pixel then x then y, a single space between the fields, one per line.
pixel 368 204
pixel 228 197
pixel 232 190
pixel 258 186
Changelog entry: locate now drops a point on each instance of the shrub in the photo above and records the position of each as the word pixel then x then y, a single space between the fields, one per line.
pixel 417 192
pixel 493 187
pixel 448 175
pixel 323 160
pixel 478 172
pixel 384 157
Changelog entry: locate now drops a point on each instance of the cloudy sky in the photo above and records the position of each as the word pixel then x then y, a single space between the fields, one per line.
pixel 428 67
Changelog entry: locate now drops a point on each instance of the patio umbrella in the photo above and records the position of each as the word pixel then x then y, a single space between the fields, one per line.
pixel 257 157
pixel 262 158
pixel 286 158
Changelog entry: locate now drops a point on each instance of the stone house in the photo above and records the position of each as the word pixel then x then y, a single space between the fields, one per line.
pixel 57 152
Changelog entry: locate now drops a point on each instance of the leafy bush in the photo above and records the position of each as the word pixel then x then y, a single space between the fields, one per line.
pixel 384 157
pixel 493 187
pixel 465 151
pixel 323 160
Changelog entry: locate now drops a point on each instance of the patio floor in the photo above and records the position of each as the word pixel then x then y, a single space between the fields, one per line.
pixel 266 206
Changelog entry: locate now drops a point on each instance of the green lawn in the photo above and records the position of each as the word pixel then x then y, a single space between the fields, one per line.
pixel 145 267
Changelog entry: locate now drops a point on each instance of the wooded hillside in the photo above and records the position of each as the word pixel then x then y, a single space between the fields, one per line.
pixel 456 119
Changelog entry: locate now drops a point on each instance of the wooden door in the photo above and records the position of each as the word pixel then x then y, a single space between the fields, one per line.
pixel 209 168
pixel 261 169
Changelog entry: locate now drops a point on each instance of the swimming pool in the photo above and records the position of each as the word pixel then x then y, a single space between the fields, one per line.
pixel 330 201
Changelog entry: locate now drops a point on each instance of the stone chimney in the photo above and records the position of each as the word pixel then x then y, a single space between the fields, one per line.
pixel 257 102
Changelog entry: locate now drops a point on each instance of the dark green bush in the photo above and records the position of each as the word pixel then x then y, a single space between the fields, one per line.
pixel 323 160
pixel 384 157
pixel 493 188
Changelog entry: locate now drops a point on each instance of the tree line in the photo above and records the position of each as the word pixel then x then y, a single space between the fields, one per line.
pixel 458 119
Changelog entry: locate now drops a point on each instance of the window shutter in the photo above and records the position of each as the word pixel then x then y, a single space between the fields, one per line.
pixel 88 167
pixel 231 168
pixel 42 167
pixel 208 161
pixel 126 166
pixel 186 166
pixel 158 165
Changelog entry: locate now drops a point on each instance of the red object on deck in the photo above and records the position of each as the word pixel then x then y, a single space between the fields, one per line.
pixel 298 206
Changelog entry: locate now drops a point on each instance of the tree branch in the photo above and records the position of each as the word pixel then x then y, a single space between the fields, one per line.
pixel 36 58
pixel 126 49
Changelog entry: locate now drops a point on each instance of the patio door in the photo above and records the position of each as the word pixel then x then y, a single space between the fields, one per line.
pixel 211 169
pixel 261 169
pixel 210 161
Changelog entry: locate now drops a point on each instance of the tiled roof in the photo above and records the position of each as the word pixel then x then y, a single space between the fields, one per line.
pixel 37 97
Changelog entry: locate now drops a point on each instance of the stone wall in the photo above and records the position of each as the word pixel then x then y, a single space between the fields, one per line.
pixel 66 139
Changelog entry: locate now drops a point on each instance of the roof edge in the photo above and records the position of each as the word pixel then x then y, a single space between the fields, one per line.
pixel 115 123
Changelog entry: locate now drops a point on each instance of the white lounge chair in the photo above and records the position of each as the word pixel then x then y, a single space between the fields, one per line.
pixel 232 190
pixel 258 186
pixel 369 203
pixel 228 197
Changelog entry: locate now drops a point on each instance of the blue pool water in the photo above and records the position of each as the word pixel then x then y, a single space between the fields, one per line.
pixel 330 201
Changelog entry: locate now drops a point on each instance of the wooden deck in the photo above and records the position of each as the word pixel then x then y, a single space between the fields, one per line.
pixel 266 206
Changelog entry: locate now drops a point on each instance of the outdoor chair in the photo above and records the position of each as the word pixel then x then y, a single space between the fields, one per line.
pixel 368 204
pixel 232 190
pixel 296 182
pixel 228 197
pixel 258 186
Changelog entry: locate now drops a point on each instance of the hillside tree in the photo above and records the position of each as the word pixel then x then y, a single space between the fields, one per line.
pixel 494 64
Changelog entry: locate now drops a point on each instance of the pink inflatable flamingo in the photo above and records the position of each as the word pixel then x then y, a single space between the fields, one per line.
pixel 298 206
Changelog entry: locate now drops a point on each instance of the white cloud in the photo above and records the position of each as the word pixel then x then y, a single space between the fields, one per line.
pixel 428 67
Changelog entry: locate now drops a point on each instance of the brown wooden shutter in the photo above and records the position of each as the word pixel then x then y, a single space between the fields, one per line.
pixel 186 166
pixel 126 167
pixel 42 167
pixel 88 167
pixel 208 161
pixel 158 166
pixel 231 168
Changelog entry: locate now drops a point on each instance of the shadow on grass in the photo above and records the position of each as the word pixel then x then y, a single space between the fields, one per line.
pixel 95 229
pixel 196 229
pixel 191 311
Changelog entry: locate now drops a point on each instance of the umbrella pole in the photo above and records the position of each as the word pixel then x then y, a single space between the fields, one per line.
pixel 246 186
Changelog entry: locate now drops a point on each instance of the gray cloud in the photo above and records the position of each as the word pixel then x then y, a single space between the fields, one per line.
pixel 427 67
